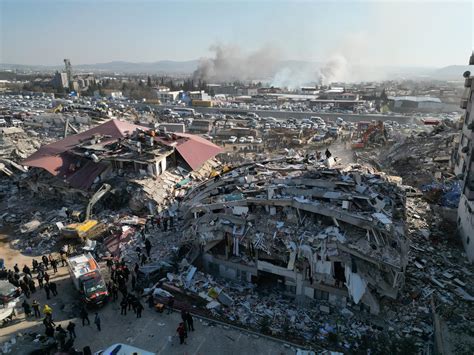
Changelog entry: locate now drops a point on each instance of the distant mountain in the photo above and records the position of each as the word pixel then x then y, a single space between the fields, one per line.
pixel 23 67
pixel 452 72
pixel 288 67
pixel 162 66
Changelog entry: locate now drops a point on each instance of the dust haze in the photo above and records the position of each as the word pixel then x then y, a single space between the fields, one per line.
pixel 229 63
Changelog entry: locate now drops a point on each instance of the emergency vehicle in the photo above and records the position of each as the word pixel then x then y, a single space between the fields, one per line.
pixel 86 276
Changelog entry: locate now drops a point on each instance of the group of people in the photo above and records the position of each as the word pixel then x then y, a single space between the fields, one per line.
pixel 120 274
pixel 131 301
pixel 85 318
pixel 186 325
pixel 27 283
pixel 57 332
pixel 310 158
pixel 120 277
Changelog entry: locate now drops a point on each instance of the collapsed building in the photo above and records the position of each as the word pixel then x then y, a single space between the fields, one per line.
pixel 304 229
pixel 81 162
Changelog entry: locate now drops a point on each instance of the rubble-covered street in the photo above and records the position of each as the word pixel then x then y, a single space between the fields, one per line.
pixel 341 257
pixel 280 236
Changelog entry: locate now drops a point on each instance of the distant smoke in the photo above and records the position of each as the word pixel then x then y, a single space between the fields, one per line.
pixel 231 64
pixel 300 74
pixel 336 69
pixel 295 76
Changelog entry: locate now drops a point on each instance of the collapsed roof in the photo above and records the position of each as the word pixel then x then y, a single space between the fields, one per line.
pixel 76 150
pixel 303 216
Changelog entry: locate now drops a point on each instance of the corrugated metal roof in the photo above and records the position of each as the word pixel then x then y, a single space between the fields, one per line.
pixel 51 156
pixel 414 98
pixel 56 160
pixel 195 150
pixel 85 176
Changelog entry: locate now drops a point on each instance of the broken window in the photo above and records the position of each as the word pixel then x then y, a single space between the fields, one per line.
pixel 321 295
pixel 339 274
pixel 291 289
pixel 213 268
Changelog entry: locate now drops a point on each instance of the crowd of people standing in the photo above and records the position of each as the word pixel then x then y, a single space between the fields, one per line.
pixel 123 287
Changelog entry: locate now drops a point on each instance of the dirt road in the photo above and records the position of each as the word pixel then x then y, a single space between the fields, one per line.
pixel 9 254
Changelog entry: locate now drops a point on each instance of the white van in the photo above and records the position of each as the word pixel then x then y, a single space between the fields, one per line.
pixel 123 349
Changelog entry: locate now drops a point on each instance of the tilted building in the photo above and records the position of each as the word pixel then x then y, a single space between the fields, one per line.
pixel 302 229
pixel 464 167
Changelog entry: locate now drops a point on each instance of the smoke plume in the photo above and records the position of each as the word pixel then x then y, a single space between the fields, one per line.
pixel 230 63
pixel 343 64
pixel 294 75
pixel 336 69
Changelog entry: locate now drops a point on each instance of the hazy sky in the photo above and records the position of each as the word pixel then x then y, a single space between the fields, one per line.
pixel 409 33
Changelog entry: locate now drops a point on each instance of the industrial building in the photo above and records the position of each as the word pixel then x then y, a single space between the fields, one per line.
pixel 419 104
pixel 65 79
pixel 165 95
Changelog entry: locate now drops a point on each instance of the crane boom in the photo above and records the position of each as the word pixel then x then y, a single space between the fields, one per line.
pixel 96 197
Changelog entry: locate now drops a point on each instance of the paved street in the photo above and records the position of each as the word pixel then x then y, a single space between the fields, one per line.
pixel 151 332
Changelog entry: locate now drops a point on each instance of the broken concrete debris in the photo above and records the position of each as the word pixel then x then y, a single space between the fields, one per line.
pixel 316 250
pixel 420 160
pixel 307 227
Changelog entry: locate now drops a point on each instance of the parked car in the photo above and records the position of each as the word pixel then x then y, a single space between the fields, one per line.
pixel 123 349
pixel 232 139
pixel 150 274
pixel 8 292
pixel 258 140
pixel 242 140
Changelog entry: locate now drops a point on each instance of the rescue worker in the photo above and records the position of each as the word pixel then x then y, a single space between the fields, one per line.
pixel 36 306
pixel 181 333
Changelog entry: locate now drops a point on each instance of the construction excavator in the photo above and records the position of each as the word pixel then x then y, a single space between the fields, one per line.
pixel 226 168
pixel 57 109
pixel 373 130
pixel 89 228
pixel 133 112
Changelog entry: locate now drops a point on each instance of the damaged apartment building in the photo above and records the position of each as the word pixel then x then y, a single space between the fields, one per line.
pixel 302 229
pixel 78 164
pixel 464 167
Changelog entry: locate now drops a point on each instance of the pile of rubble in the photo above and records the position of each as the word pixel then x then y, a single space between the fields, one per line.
pixel 271 238
pixel 438 274
pixel 418 159
pixel 15 145
pixel 329 257
pixel 336 237
pixel 316 224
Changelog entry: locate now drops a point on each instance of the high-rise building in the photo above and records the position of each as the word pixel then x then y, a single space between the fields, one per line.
pixel 68 66
pixel 60 80
pixel 464 167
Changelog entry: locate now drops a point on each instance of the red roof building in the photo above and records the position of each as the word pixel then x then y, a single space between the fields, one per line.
pixel 81 158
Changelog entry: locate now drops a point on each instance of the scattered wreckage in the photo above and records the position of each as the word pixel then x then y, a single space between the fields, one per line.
pixel 294 241
pixel 311 230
